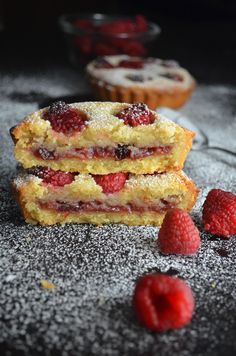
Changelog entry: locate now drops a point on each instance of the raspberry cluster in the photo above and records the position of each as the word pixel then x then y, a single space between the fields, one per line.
pixel 65 119
pixel 136 114
pixel 90 45
pixel 55 178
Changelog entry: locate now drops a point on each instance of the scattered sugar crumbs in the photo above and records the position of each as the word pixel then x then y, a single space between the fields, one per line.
pixel 45 284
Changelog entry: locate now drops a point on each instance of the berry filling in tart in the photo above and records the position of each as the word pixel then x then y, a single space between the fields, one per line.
pixel 118 153
pixel 65 119
pixel 100 206
pixel 49 196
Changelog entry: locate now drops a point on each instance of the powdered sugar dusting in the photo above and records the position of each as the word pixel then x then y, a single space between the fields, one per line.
pixel 95 269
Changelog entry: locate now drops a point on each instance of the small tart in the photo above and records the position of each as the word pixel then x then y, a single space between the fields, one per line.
pixel 153 81
pixel 104 144
pixel 143 200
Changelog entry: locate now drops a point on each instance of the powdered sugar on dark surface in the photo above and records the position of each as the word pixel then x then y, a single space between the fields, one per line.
pixel 95 269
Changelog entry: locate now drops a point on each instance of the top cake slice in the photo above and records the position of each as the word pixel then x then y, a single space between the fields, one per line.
pixel 101 138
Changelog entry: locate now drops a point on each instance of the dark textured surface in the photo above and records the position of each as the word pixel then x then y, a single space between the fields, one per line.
pixel 95 269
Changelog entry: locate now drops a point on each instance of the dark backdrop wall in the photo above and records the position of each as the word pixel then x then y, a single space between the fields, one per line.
pixel 198 33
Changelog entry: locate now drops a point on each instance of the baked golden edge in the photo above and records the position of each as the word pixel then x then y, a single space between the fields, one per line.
pixel 153 97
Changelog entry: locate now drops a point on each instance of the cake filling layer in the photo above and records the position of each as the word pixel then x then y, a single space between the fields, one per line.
pixel 118 153
pixel 99 206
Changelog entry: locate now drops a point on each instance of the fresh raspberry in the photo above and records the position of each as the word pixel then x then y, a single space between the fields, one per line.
pixel 162 302
pixel 112 182
pixel 65 119
pixel 141 23
pixel 136 114
pixel 105 49
pixel 84 24
pixel 219 213
pixel 119 26
pixel 84 43
pixel 131 63
pixel 55 178
pixel 133 48
pixel 178 234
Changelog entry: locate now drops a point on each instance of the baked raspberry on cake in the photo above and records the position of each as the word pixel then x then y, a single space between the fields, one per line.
pixel 154 81
pixel 101 138
pixel 48 197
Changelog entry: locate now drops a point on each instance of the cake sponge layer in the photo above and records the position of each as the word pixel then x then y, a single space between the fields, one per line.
pixel 143 200
pixel 104 130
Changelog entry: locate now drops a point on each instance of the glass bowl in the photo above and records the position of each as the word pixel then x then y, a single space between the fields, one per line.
pixel 91 35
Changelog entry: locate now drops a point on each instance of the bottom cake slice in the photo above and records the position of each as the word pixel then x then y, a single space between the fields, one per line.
pixel 49 197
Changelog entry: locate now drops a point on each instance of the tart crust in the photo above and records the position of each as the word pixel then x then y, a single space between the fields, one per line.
pixel 103 129
pixel 142 189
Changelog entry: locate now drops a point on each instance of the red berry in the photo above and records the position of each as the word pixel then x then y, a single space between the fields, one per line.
pixel 119 26
pixel 131 63
pixel 65 119
pixel 133 48
pixel 162 302
pixel 84 24
pixel 105 49
pixel 112 182
pixel 85 44
pixel 219 213
pixel 55 178
pixel 141 23
pixel 136 114
pixel 178 234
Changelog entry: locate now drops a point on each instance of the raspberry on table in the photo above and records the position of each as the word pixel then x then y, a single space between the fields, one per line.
pixel 162 302
pixel 178 234
pixel 112 182
pixel 65 119
pixel 55 178
pixel 136 114
pixel 219 213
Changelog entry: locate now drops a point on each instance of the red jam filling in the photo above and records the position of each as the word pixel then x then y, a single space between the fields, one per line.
pixel 98 206
pixel 119 153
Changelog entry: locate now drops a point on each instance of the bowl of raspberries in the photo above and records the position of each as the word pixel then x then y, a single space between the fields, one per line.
pixel 91 35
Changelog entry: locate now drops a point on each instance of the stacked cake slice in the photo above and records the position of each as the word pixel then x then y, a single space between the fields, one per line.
pixel 101 163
